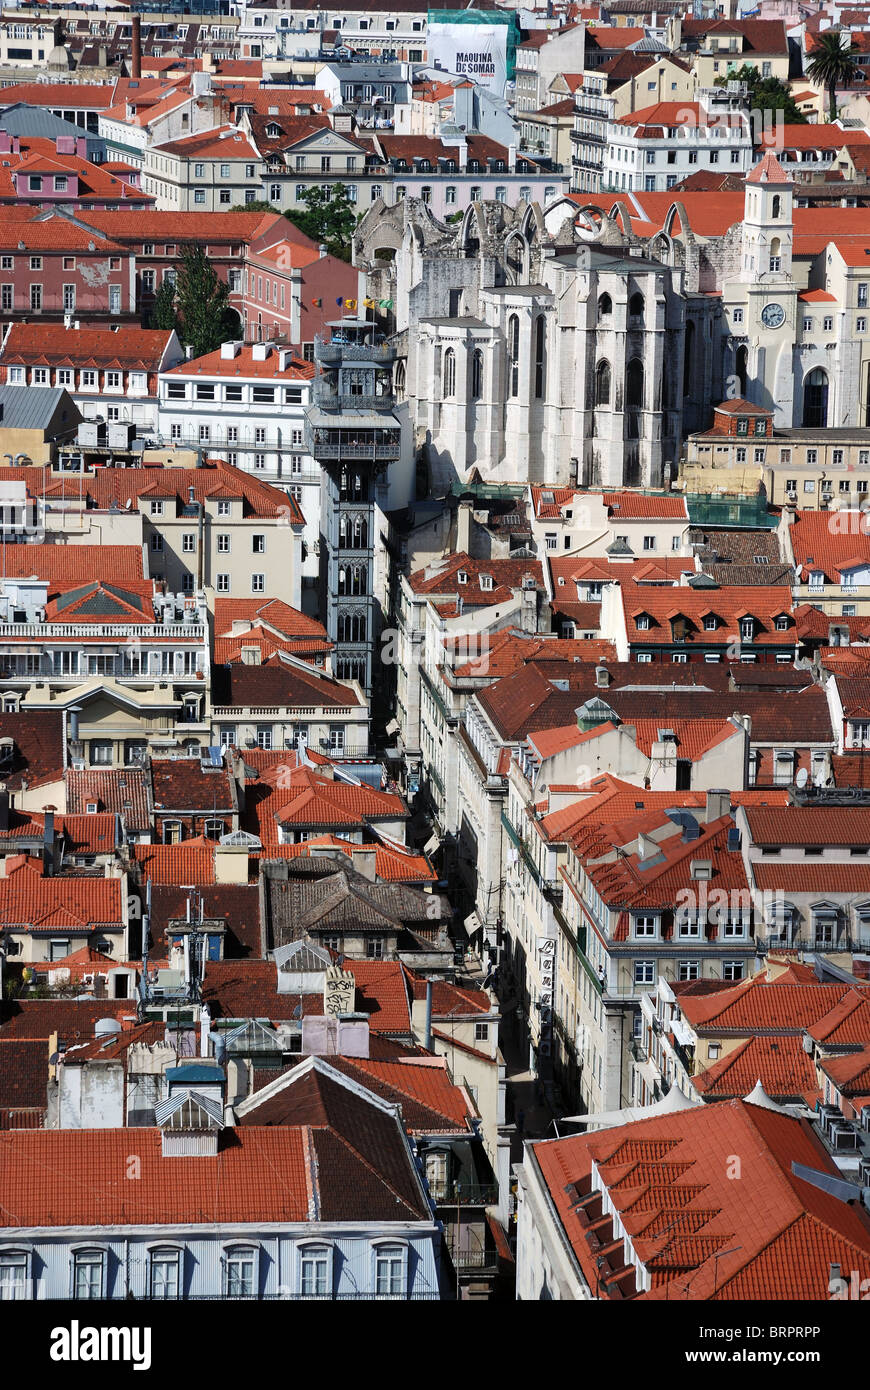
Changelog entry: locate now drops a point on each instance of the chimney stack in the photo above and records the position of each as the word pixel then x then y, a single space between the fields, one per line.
pixel 463 527
pixel 136 48
pixel 718 804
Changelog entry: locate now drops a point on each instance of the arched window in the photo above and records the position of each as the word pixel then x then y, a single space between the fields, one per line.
pixel 775 257
pixel 634 396
pixel 605 306
pixel 687 358
pixel 449 373
pixel 742 365
pixel 775 206
pixel 514 354
pixel 602 383
pixel 634 385
pixel 816 400
pixel 540 357
pixel 635 306
pixel 400 380
pixel 476 374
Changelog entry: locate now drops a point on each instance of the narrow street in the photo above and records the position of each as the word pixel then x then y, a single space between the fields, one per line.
pixel 527 1106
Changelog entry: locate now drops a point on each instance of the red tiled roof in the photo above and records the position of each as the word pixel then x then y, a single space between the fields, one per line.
pixel 245 365
pixel 74 564
pixel 129 349
pixel 123 791
pixel 36 904
pixel 146 225
pixel 832 542
pixel 699 1234
pixel 431 1103
pixel 248 989
pixel 507 576
pixel 23 1072
pixel 851 1073
pixel 763 602
pixel 768 170
pixel 118 487
pixel 785 1070
pixel 821 878
pixel 392 864
pixel 847 1023
pixel 755 1006
pixel 72 1019
pixel 810 825
pixel 277 614
pixel 224 142
pixel 623 505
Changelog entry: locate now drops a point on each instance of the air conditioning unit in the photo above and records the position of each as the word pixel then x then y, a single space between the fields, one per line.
pixel 658 1026
pixel 844 1137
pixel 827 1116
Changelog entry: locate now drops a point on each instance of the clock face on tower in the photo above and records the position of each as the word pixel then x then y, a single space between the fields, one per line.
pixel 772 315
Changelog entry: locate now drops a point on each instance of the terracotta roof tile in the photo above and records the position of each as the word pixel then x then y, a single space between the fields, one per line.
pixel 695 1233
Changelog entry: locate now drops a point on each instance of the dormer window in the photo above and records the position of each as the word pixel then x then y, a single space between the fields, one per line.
pixel 782 623
pixel 486 581
pixel 645 926
pixel 747 629
pixel 643 622
pixel 710 623
pixel 462 577
pixel 742 425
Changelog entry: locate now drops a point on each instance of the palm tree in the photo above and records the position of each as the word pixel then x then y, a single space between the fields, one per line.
pixel 834 63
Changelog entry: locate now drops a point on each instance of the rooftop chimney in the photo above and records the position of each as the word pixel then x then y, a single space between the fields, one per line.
pixel 136 48
pixel 718 803
pixel 48 843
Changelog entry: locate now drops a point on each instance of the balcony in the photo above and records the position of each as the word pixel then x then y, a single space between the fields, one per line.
pixel 482 1261
pixel 352 352
pixel 454 1194
pixel 193 631
pixel 334 450
pixel 347 750
pixel 343 400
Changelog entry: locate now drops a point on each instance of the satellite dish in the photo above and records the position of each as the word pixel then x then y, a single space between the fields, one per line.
pixel 801 779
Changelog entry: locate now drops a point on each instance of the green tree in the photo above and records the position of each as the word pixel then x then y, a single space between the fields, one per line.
pixel 259 205
pixel 329 217
pixel 202 299
pixel 834 63
pixel 766 93
pixel 163 313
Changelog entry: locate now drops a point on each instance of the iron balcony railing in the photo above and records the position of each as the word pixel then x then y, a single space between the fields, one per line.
pixel 352 352
pixel 455 1194
pixel 481 1260
pixel 332 450
pixel 347 400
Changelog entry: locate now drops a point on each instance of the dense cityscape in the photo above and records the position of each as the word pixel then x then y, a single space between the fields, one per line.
pixel 434 653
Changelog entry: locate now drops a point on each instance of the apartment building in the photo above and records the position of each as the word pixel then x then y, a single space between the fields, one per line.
pixel 112 377
pixel 211 171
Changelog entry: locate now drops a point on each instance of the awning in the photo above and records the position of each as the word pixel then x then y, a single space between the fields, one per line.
pixel 673 1101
